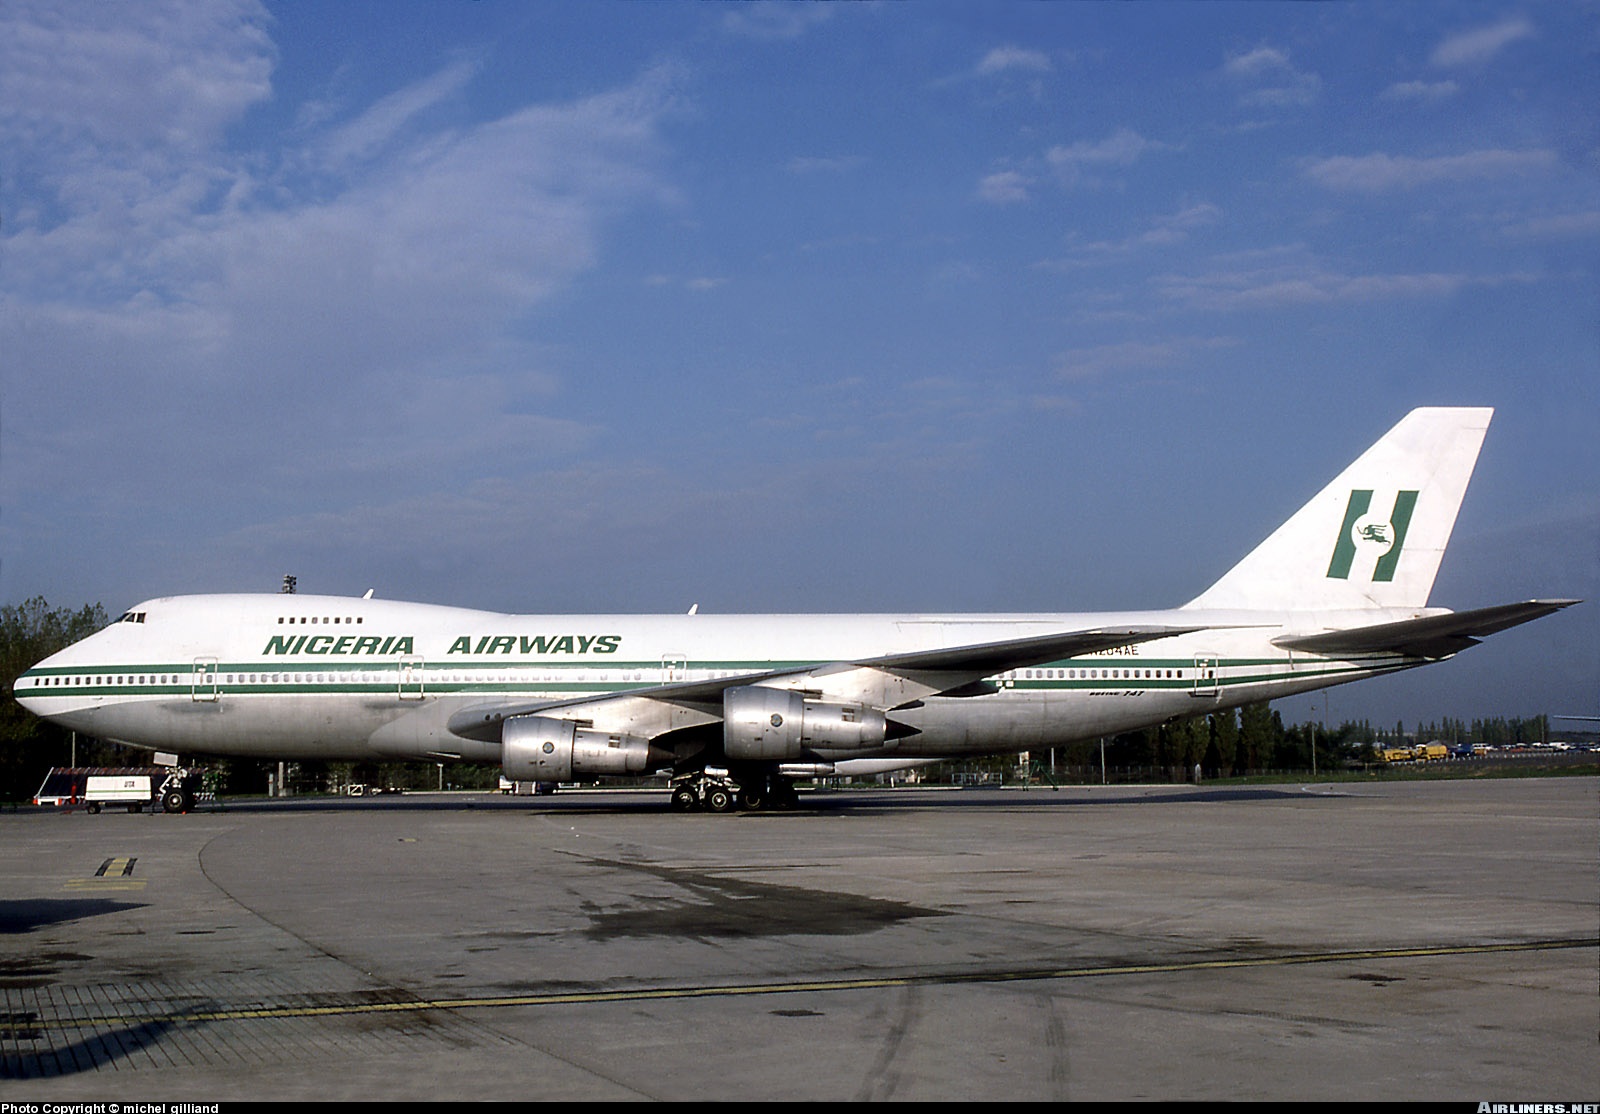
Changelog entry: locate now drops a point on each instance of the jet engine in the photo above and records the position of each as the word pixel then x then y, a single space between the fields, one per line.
pixel 767 724
pixel 538 748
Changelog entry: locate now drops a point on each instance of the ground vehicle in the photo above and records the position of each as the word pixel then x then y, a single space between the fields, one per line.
pixel 173 788
pixel 361 789
pixel 526 788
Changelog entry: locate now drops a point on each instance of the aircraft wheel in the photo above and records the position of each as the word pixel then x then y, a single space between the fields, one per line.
pixel 174 800
pixel 719 799
pixel 683 799
pixel 751 798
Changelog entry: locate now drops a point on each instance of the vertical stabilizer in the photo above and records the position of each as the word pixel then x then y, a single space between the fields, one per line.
pixel 1374 536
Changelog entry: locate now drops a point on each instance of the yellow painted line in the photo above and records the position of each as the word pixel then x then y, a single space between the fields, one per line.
pixel 115 873
pixel 812 987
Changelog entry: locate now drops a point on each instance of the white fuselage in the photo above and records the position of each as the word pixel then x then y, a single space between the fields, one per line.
pixel 297 676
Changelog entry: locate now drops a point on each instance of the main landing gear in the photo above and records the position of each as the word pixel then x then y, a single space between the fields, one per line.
pixel 709 792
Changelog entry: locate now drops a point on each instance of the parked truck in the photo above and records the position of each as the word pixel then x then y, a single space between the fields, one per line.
pixel 92 788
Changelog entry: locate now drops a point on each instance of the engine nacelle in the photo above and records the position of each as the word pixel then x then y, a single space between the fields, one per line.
pixel 538 748
pixel 767 724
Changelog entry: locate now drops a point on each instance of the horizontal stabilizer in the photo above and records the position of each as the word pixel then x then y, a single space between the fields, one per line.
pixel 1436 636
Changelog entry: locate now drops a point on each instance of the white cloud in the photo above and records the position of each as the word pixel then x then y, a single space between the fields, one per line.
pixel 1080 163
pixel 1423 91
pixel 123 76
pixel 363 328
pixel 1481 44
pixel 1161 231
pixel 823 164
pixel 1560 226
pixel 113 118
pixel 1273 80
pixel 1122 148
pixel 1257 62
pixel 1004 58
pixel 1175 228
pixel 1378 172
pixel 774 22
pixel 1136 355
pixel 1007 187
pixel 1309 284
pixel 378 125
pixel 697 284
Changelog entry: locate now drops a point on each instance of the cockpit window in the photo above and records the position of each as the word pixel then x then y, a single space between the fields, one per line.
pixel 132 617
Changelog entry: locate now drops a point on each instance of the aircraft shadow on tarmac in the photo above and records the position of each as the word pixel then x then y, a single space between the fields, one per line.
pixel 28 914
pixel 102 1048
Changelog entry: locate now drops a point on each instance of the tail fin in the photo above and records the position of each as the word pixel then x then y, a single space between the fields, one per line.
pixel 1374 536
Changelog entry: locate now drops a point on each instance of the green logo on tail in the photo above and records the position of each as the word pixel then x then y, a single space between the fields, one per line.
pixel 1358 528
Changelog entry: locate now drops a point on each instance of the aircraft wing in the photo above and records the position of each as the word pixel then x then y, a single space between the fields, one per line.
pixel 987 658
pixel 884 682
pixel 1437 636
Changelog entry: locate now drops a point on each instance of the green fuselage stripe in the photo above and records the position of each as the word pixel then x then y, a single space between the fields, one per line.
pixel 435 679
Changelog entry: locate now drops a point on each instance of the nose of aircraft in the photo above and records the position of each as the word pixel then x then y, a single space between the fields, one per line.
pixel 27 691
pixel 31 686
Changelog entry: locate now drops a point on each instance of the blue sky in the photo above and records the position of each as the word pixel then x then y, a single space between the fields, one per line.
pixel 794 307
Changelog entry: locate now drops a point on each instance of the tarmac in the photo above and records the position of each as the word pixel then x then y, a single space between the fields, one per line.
pixel 1382 940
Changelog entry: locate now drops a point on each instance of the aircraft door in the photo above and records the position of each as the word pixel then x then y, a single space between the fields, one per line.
pixel 203 688
pixel 673 668
pixel 411 678
pixel 1205 677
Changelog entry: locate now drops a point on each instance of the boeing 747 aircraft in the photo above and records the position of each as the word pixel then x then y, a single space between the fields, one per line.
pixel 736 707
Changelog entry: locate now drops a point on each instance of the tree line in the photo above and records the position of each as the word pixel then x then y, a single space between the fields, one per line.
pixel 29 746
pixel 1232 742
